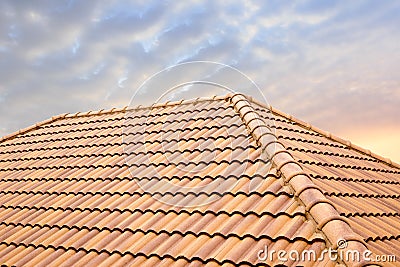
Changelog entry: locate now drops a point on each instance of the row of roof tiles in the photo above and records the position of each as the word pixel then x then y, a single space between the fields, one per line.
pixel 76 211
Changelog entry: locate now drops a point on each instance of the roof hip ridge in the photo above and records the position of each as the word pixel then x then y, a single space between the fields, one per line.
pixel 328 220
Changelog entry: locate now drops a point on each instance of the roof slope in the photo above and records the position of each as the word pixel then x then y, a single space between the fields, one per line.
pixel 202 182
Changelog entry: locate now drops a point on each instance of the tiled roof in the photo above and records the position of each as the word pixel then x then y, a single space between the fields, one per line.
pixel 209 181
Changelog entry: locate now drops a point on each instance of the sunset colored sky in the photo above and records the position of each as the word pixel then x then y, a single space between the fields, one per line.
pixel 334 64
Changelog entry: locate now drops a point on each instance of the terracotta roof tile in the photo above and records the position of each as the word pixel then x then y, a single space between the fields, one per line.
pixel 189 183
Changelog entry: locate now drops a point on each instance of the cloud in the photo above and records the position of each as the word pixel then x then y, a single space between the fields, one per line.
pixel 333 63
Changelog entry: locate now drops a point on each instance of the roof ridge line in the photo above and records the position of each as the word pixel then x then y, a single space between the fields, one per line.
pixel 154 105
pixel 328 220
pixel 112 110
pixel 32 127
pixel 303 124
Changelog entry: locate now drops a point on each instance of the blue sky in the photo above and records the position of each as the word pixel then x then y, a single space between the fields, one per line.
pixel 332 63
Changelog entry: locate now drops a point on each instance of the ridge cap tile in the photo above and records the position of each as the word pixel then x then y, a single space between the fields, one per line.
pixel 311 197
pixel 248 98
pixel 64 187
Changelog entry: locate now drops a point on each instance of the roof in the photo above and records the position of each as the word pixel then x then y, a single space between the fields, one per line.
pixel 207 181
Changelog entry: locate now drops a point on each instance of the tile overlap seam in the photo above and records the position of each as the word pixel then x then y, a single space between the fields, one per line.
pixel 358 180
pixel 144 132
pixel 344 166
pixel 175 177
pixel 121 154
pixel 371 214
pixel 327 153
pixel 140 254
pixel 137 165
pixel 359 195
pixel 165 212
pixel 122 134
pixel 145 193
pixel 310 141
pixel 168 233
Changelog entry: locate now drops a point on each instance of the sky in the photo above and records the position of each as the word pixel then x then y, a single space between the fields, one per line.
pixel 334 64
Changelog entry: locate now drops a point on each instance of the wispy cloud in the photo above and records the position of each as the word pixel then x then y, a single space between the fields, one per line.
pixel 333 63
